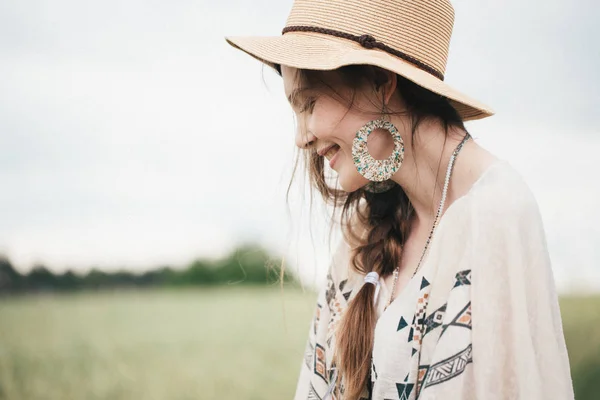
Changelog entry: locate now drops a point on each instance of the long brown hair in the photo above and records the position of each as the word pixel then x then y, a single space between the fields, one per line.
pixel 378 224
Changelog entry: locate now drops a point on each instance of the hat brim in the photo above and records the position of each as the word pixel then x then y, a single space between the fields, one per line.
pixel 311 50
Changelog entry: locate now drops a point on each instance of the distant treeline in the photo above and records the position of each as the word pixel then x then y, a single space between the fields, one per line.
pixel 248 264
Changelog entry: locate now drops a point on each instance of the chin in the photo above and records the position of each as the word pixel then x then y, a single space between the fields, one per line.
pixel 351 182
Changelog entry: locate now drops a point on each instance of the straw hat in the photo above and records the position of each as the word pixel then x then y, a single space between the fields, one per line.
pixel 409 37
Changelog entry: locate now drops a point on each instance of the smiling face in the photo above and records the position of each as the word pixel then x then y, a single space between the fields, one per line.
pixel 324 121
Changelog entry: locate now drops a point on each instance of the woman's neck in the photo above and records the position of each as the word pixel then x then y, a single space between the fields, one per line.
pixel 423 171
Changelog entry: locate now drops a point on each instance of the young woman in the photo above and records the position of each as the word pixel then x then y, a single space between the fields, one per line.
pixel 442 285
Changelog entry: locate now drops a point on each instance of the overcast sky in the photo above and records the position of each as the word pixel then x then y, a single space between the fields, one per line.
pixel 133 135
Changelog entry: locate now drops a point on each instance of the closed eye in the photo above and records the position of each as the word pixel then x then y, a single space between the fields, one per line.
pixel 308 105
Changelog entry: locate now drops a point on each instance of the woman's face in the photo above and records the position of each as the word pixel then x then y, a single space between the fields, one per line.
pixel 323 121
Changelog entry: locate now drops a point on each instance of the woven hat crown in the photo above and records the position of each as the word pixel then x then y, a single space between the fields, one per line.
pixel 421 29
pixel 408 37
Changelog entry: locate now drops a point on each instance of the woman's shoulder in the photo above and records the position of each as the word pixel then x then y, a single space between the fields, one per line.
pixel 503 211
pixel 503 192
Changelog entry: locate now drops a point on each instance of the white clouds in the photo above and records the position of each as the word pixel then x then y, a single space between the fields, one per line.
pixel 532 61
pixel 132 134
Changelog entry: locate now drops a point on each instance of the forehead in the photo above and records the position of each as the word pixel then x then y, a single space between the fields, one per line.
pixel 297 85
pixel 294 90
pixel 290 79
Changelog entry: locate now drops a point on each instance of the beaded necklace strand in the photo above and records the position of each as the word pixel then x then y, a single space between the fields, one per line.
pixel 437 215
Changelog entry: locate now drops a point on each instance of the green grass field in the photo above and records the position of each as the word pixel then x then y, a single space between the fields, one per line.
pixel 216 343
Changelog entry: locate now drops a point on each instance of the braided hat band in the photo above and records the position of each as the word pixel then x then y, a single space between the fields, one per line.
pixel 368 42
pixel 408 37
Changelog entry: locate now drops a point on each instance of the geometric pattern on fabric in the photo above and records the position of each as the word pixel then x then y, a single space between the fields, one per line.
pixel 319 362
pixel 462 319
pixel 317 318
pixel 312 393
pixel 449 368
pixel 435 319
pixel 333 392
pixel 335 316
pixel 341 287
pixel 331 373
pixel 373 370
pixel 402 324
pixel 335 306
pixel 318 366
pixel 426 329
pixel 422 372
pixel 330 291
pixel 463 278
pixel 454 344
pixel 419 318
pixel 415 336
pixel 404 390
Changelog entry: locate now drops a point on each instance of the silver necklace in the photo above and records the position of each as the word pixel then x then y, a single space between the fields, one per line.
pixel 437 216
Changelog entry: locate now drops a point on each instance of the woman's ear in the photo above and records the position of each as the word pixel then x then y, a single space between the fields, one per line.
pixel 387 88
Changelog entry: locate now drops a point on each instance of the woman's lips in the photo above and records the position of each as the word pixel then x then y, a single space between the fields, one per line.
pixel 332 151
pixel 332 155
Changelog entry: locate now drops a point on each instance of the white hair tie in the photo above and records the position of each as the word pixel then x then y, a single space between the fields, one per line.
pixel 373 277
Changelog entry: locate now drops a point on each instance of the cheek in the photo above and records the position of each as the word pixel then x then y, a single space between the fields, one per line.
pixel 331 123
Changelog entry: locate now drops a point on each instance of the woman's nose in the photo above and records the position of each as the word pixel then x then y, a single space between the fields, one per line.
pixel 304 139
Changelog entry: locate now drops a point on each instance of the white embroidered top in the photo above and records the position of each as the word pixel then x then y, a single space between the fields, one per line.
pixel 479 320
